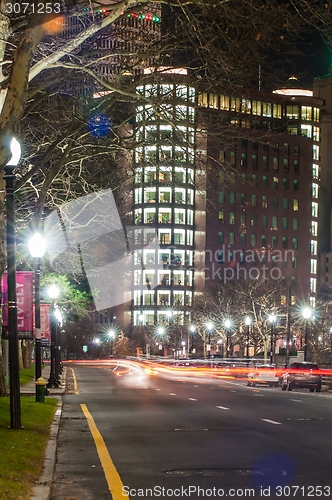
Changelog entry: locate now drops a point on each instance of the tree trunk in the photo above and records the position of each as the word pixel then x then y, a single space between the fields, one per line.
pixel 3 390
pixel 27 348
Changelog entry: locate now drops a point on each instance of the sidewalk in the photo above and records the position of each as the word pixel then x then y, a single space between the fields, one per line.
pixel 30 388
pixel 42 489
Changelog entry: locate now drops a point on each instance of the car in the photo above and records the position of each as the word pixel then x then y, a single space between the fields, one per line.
pixel 303 375
pixel 263 375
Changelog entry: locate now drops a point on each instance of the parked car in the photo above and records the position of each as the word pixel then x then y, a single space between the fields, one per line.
pixel 263 375
pixel 304 375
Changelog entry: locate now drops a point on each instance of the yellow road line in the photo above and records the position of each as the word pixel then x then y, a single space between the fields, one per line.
pixel 113 479
pixel 75 382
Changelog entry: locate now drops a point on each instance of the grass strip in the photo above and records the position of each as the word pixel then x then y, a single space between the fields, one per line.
pixel 22 451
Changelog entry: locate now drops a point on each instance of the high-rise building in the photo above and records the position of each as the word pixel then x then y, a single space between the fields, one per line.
pixel 323 89
pixel 226 186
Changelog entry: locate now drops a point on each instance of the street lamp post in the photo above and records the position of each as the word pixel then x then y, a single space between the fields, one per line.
pixel 9 177
pixel 192 330
pixel 209 327
pixel 228 325
pixel 37 248
pixel 58 366
pixel 307 313
pixel 248 324
pixel 53 381
pixel 160 335
pixel 111 336
pixel 272 320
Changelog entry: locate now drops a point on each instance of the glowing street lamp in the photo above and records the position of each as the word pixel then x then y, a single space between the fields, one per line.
pixel 209 327
pixel 248 322
pixel 307 314
pixel 272 320
pixel 14 371
pixel 37 248
pixel 228 326
pixel 111 335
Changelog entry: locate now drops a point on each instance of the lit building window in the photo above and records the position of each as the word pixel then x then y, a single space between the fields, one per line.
pixel 267 109
pixel 313 247
pixel 314 190
pixel 313 285
pixel 314 228
pixel 277 110
pixel 313 266
pixel 315 152
pixel 315 171
pixel 316 114
pixel 224 102
pixel 292 112
pixel 295 204
pixel 306 113
pixel 316 134
pixel 256 108
pixel 306 130
pixel 314 209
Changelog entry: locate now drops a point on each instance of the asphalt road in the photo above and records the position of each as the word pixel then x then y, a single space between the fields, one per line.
pixel 194 437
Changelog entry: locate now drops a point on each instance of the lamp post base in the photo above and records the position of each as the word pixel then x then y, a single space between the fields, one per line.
pixel 53 382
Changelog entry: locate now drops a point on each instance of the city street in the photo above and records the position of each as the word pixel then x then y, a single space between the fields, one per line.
pixel 193 436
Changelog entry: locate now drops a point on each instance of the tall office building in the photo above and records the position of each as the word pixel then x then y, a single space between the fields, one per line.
pixel 264 219
pixel 164 201
pixel 323 89
pixel 226 186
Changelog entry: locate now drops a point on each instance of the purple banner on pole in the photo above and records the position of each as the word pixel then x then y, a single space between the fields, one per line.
pixel 24 291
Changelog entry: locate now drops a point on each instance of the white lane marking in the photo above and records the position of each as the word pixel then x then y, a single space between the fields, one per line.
pixel 172 394
pixel 232 391
pixel 192 399
pixel 158 389
pixel 271 421
pixel 260 395
pixel 222 407
pixel 296 400
pixel 196 386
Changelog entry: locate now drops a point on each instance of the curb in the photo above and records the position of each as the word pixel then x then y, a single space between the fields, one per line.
pixel 42 490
